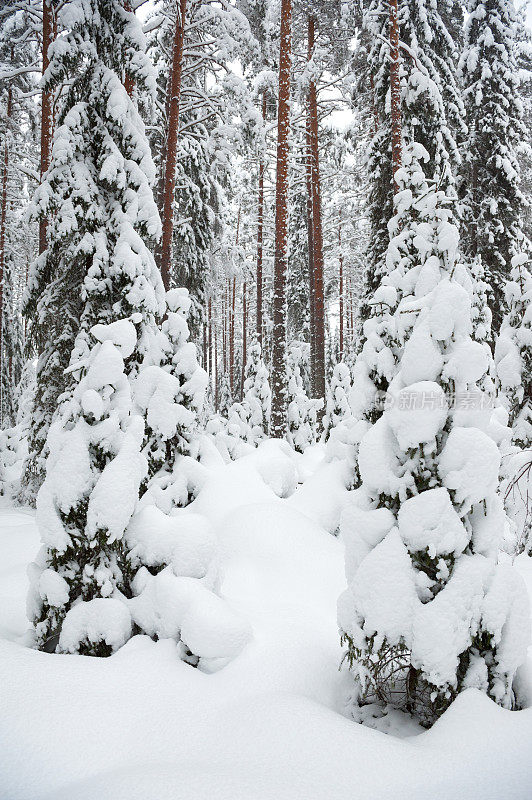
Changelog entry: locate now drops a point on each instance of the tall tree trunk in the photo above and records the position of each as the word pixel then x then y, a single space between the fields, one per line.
pixel 352 309
pixel 395 91
pixel 174 92
pixel 260 234
pixel 216 383
pixel 129 83
pixel 232 340
pixel 374 105
pixel 209 319
pixel 225 310
pixel 341 284
pixel 3 224
pixel 244 332
pixel 317 235
pixel 279 376
pixel 46 107
pixel 310 245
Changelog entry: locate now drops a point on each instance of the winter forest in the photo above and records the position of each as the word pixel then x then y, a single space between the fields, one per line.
pixel 265 399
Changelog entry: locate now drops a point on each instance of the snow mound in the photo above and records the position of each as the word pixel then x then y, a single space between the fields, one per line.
pixel 184 541
pixel 103 619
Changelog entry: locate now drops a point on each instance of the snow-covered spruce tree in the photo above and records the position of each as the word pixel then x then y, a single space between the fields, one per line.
pixel 226 400
pixel 257 393
pixel 428 611
pixel 93 476
pixel 12 344
pixel 17 159
pixel 170 396
pixel 481 312
pixel 377 362
pixel 97 197
pixel 337 406
pixel 97 271
pixel 373 69
pixel 431 108
pixel 490 181
pixel 194 225
pixel 302 410
pixel 513 351
pixel 14 441
pixel 513 358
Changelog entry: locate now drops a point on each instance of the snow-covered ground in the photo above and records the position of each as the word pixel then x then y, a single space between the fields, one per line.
pixel 269 726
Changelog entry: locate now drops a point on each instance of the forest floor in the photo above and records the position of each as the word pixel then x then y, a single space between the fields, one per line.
pixel 143 725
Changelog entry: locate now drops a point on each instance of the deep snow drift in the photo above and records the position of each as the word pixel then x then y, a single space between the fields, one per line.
pixel 269 725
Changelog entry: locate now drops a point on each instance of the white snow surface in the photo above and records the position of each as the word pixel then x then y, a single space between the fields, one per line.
pixel 270 724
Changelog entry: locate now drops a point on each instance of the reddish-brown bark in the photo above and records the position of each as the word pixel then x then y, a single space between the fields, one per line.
pixel 232 339
pixel 129 83
pixel 260 235
pixel 341 284
pixel 174 92
pixel 3 218
pixel 225 307
pixel 205 367
pixel 279 377
pixel 209 322
pixel 48 24
pixel 312 329
pixel 395 90
pixel 244 331
pixel 374 105
pixel 317 235
pixel 216 395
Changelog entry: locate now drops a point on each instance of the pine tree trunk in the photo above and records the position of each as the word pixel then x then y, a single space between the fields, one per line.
pixel 46 107
pixel 174 92
pixel 260 235
pixel 310 245
pixel 225 307
pixel 232 340
pixel 279 377
pixel 3 224
pixel 317 235
pixel 216 395
pixel 129 83
pixel 395 90
pixel 209 319
pixel 244 332
pixel 341 285
pixel 352 311
pixel 375 113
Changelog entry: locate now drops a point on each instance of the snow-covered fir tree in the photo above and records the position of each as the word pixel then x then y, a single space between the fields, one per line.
pixel 513 351
pixel 171 396
pixel 97 197
pixel 257 393
pixel 432 109
pixel 12 344
pixel 14 440
pixel 513 358
pixel 337 406
pixel 97 280
pixel 428 611
pixel 93 475
pixel 302 410
pixel 377 362
pixel 493 201
pixel 17 155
